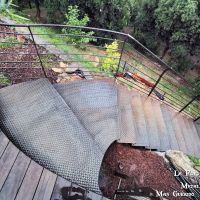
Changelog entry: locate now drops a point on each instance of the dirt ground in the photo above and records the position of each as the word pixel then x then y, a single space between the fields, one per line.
pixel 143 169
pixel 21 61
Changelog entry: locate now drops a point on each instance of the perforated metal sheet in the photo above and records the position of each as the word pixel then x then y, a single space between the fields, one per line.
pixel 126 116
pixel 37 119
pixel 95 105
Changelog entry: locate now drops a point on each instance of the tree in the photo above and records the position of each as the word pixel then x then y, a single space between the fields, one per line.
pixel 111 14
pixel 178 23
pixel 169 27
pixel 143 23
pixel 77 36
pixel 23 3
pixel 37 5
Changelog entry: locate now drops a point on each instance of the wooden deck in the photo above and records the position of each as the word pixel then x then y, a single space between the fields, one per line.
pixel 23 179
pixel 156 125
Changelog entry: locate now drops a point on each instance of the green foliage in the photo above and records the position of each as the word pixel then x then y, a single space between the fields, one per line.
pixel 113 14
pixel 4 80
pixel 172 24
pixel 143 22
pixel 181 64
pixel 179 58
pixel 8 42
pixel 77 36
pixel 178 22
pixel 195 160
pixel 111 60
pixel 6 8
pixel 54 14
pixel 5 5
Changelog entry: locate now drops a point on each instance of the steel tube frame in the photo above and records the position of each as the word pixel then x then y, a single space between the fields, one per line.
pixel 123 50
pixel 41 64
pixel 167 69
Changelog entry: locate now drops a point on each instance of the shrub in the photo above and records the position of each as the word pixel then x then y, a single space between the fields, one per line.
pixel 111 61
pixel 72 18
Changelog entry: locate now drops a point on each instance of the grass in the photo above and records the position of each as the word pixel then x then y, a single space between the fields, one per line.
pixel 47 61
pixel 65 48
pixel 8 42
pixel 195 160
pixel 4 80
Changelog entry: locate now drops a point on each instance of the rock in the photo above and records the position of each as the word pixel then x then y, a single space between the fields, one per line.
pixel 63 65
pixel 58 80
pixel 180 160
pixel 183 164
pixel 58 70
pixel 67 78
pixel 197 168
pixel 63 75
pixel 63 81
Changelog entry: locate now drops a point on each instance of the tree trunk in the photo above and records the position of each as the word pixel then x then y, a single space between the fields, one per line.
pixel 29 3
pixel 165 50
pixel 37 5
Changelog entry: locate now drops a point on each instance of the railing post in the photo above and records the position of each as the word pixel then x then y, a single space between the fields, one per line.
pixel 190 102
pixel 41 64
pixel 124 68
pixel 121 54
pixel 152 89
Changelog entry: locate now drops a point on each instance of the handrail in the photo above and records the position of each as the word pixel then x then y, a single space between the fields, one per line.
pixel 65 26
pixel 121 37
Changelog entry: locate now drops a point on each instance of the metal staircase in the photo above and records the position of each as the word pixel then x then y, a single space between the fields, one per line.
pixel 97 112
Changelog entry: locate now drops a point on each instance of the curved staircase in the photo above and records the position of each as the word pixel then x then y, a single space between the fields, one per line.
pixel 142 122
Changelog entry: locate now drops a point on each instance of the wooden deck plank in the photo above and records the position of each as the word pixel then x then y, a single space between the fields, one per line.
pixel 15 177
pixel 6 162
pixel 30 182
pixel 151 124
pixel 164 136
pixel 59 185
pixel 3 143
pixel 46 185
pixel 142 137
pixel 167 118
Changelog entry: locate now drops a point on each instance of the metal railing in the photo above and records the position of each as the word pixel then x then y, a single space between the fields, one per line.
pixel 44 46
